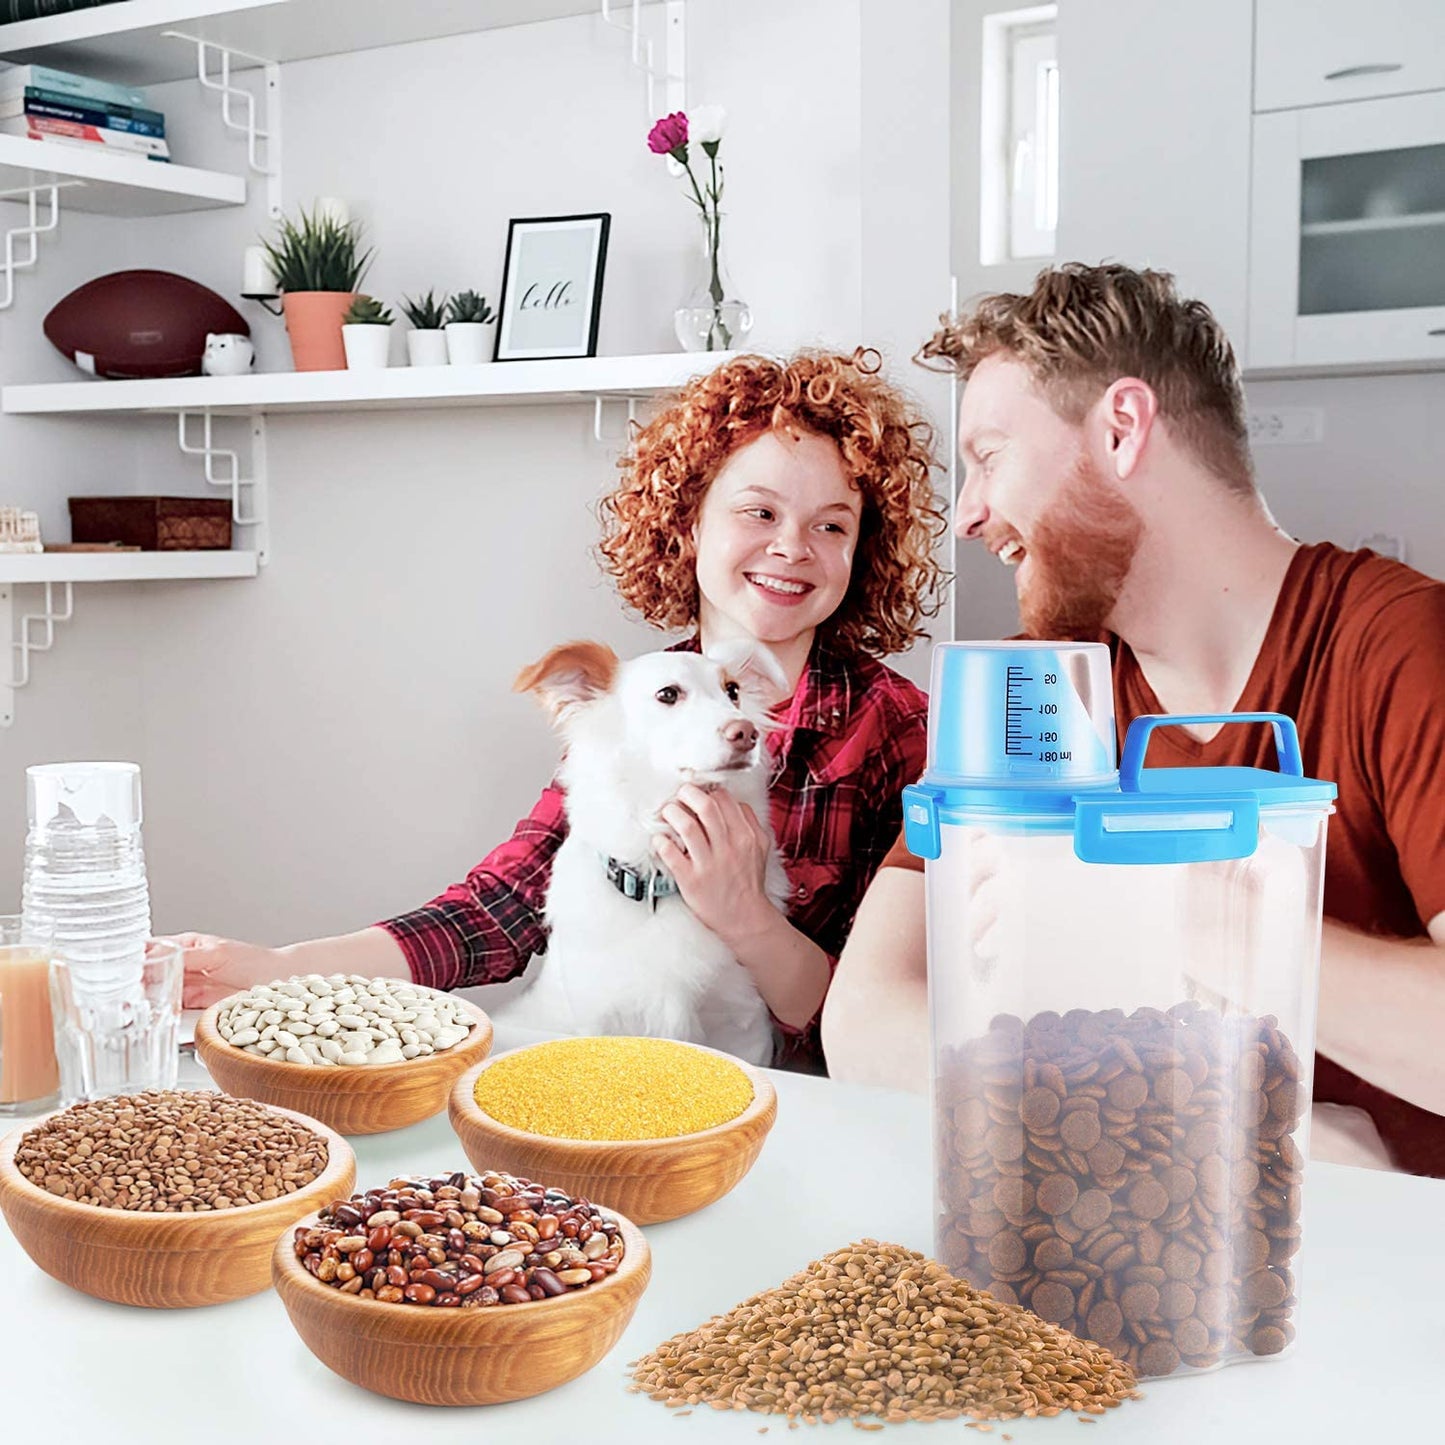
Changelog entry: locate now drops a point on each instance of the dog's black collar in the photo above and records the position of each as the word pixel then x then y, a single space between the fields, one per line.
pixel 640 886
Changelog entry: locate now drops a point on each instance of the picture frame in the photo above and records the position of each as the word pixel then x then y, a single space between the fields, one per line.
pixel 552 287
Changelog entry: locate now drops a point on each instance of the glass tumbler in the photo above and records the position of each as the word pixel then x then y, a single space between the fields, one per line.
pixel 117 1024
pixel 28 1072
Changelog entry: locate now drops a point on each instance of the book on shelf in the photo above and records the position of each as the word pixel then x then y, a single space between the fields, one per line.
pixel 15 78
pixel 37 127
pixel 55 103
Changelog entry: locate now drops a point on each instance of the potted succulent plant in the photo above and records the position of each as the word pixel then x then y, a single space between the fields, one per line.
pixel 318 264
pixel 366 334
pixel 426 345
pixel 468 316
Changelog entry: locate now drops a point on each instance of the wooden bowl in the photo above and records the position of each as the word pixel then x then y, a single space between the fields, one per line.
pixel 162 1261
pixel 351 1098
pixel 433 1356
pixel 649 1180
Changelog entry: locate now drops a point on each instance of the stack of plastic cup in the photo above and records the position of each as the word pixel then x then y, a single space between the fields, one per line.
pixel 85 875
pixel 115 992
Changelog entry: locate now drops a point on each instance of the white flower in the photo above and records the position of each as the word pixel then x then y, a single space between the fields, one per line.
pixel 705 124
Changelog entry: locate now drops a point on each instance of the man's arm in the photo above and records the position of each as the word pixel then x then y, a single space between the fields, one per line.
pixel 875 1018
pixel 1382 1002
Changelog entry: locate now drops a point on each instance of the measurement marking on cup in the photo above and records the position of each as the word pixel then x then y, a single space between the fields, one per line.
pixel 1015 740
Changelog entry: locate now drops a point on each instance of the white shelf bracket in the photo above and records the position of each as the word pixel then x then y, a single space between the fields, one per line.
pixel 223 469
pixel 26 641
pixel 27 235
pixel 673 73
pixel 598 403
pixel 263 143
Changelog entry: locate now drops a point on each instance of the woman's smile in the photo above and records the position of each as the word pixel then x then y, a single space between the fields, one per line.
pixel 780 590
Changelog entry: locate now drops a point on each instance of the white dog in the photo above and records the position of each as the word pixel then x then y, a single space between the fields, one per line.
pixel 626 955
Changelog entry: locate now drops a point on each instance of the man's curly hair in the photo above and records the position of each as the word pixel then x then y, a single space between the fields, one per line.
pixel 887 448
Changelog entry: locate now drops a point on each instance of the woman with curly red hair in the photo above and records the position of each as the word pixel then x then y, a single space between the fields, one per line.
pixel 785 503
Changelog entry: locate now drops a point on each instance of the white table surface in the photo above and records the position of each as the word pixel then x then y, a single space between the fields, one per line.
pixel 842 1163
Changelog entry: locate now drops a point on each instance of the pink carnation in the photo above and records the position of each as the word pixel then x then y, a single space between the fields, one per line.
pixel 668 134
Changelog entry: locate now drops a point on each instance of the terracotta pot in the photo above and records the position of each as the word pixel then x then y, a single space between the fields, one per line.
pixel 313 324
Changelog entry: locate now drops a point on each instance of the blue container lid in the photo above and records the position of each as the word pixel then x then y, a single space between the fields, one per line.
pixel 1272 790
pixel 1152 815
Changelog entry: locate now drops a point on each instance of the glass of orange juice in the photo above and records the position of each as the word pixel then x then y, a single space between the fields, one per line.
pixel 29 1076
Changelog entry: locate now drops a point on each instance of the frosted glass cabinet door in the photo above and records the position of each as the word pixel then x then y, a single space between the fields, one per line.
pixel 1321 52
pixel 1348 234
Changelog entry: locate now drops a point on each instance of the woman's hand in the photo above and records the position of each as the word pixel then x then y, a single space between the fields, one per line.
pixel 718 852
pixel 216 967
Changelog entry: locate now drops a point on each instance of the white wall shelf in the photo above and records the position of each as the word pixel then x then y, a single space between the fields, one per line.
pixel 58 572
pixel 91 178
pixel 126 41
pixel 511 383
pixel 17 567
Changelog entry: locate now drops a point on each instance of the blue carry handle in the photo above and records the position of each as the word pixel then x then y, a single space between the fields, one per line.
pixel 1136 740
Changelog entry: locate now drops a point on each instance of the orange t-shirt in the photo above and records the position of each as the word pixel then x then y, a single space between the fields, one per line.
pixel 1355 654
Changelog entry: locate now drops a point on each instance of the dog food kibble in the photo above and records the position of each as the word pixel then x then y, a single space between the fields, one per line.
pixel 342 1019
pixel 642 1088
pixel 459 1242
pixel 876 1329
pixel 1132 1179
pixel 171 1153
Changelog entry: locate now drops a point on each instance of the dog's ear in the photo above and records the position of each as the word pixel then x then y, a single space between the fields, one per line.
pixel 753 667
pixel 569 676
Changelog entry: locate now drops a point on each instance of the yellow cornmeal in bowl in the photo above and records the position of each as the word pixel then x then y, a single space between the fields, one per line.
pixel 613 1089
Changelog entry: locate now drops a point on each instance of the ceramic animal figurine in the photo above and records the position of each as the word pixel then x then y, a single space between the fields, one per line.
pixel 227 354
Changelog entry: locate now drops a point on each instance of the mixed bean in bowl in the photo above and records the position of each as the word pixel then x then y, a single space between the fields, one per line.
pixel 459 1241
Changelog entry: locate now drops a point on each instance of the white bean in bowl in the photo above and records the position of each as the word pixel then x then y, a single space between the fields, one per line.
pixel 342 1020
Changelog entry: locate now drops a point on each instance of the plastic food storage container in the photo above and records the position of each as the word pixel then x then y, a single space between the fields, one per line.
pixel 1123 969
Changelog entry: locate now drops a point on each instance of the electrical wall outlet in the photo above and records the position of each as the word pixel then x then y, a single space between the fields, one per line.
pixel 1386 544
pixel 1286 426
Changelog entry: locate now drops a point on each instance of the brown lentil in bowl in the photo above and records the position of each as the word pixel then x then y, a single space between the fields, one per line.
pixel 460 1242
pixel 171 1152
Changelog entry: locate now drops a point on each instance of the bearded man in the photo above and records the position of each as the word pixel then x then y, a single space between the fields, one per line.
pixel 1103 430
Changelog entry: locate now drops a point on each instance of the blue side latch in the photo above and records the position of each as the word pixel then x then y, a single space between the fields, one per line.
pixel 1132 828
pixel 921 829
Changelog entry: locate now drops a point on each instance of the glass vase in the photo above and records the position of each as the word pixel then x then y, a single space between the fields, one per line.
pixel 712 316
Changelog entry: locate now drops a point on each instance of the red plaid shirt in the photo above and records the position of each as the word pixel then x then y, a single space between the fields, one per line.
pixel 854 734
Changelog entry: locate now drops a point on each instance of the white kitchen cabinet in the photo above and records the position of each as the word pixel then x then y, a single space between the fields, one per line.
pixel 1318 52
pixel 1348 235
pixel 1154 144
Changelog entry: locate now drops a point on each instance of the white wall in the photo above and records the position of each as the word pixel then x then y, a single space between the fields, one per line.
pixel 337 740
pixel 1376 469
pixel 62 712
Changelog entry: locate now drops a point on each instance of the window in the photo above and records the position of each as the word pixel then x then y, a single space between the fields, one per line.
pixel 1019 163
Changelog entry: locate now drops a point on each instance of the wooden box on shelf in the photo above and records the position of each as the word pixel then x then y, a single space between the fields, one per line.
pixel 154 524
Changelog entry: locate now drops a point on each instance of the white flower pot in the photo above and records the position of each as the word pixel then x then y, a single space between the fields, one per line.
pixel 367 346
pixel 426 348
pixel 468 342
